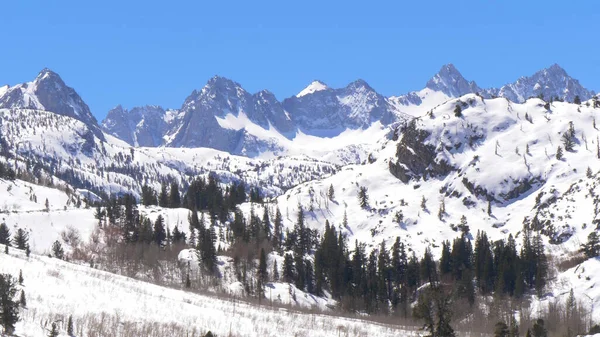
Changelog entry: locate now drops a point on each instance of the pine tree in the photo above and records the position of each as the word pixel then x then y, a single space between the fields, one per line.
pixel 57 250
pixel 266 224
pixel 559 153
pixel 457 110
pixel 21 277
pixel 47 205
pixel 174 196
pixel 568 138
pixel 363 197
pixel 21 239
pixel 23 300
pixel 262 267
pixel 592 247
pixel 275 271
pixel 160 235
pixel 577 100
pixel 288 268
pixel 163 197
pixel 331 193
pixel 70 329
pixel 9 313
pixel 277 229
pixel 4 234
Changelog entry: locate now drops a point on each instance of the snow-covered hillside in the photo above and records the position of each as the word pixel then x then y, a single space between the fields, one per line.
pixel 112 305
pixel 498 154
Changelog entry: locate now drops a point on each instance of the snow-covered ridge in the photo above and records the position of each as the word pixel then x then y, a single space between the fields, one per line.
pixel 313 87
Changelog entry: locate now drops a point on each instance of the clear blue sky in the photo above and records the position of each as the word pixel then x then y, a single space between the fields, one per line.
pixel 157 52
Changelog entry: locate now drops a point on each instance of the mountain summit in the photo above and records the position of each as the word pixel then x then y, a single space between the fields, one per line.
pixel 50 93
pixel 548 83
pixel 451 82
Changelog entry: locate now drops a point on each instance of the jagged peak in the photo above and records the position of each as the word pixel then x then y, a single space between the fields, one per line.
pixel 451 82
pixel 47 73
pixel 447 73
pixel 313 87
pixel 358 84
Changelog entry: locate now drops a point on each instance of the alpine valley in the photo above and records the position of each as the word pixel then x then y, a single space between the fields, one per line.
pixel 216 215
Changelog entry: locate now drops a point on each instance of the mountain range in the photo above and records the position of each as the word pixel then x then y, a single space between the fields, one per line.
pixel 224 116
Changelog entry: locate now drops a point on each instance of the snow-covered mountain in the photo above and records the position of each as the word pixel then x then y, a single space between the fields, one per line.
pixel 547 83
pixel 330 111
pixel 224 116
pixel 451 82
pixel 140 126
pixel 430 161
pixel 48 92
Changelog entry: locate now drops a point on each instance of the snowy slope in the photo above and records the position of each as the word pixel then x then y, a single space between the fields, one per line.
pixel 524 169
pixel 57 289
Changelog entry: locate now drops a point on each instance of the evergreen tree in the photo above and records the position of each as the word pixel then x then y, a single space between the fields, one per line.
pixel 174 196
pixel 288 268
pixel 262 267
pixel 428 268
pixel 9 308
pixel 178 236
pixel 47 205
pixel 568 138
pixel 363 197
pixel 559 153
pixel 4 234
pixel 331 192
pixel 23 300
pixel 275 271
pixel 160 235
pixel 148 196
pixel 577 100
pixel 70 330
pixel 163 197
pixel 277 230
pixel 21 277
pixel 457 110
pixel 266 224
pixel 57 250
pixel 592 247
pixel 21 239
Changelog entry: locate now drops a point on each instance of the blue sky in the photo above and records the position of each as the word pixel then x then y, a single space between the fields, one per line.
pixel 157 52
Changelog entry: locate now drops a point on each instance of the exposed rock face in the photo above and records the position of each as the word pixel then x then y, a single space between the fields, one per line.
pixel 415 158
pixel 140 126
pixel 450 81
pixel 547 83
pixel 355 106
pixel 48 92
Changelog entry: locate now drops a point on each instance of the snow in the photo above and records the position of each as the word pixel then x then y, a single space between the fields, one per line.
pixel 56 289
pixel 312 88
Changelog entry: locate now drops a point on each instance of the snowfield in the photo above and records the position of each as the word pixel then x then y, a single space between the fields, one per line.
pixel 56 289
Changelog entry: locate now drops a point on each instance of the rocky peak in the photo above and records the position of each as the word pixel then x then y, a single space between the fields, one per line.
pixel 548 83
pixel 451 82
pixel 50 93
pixel 313 87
